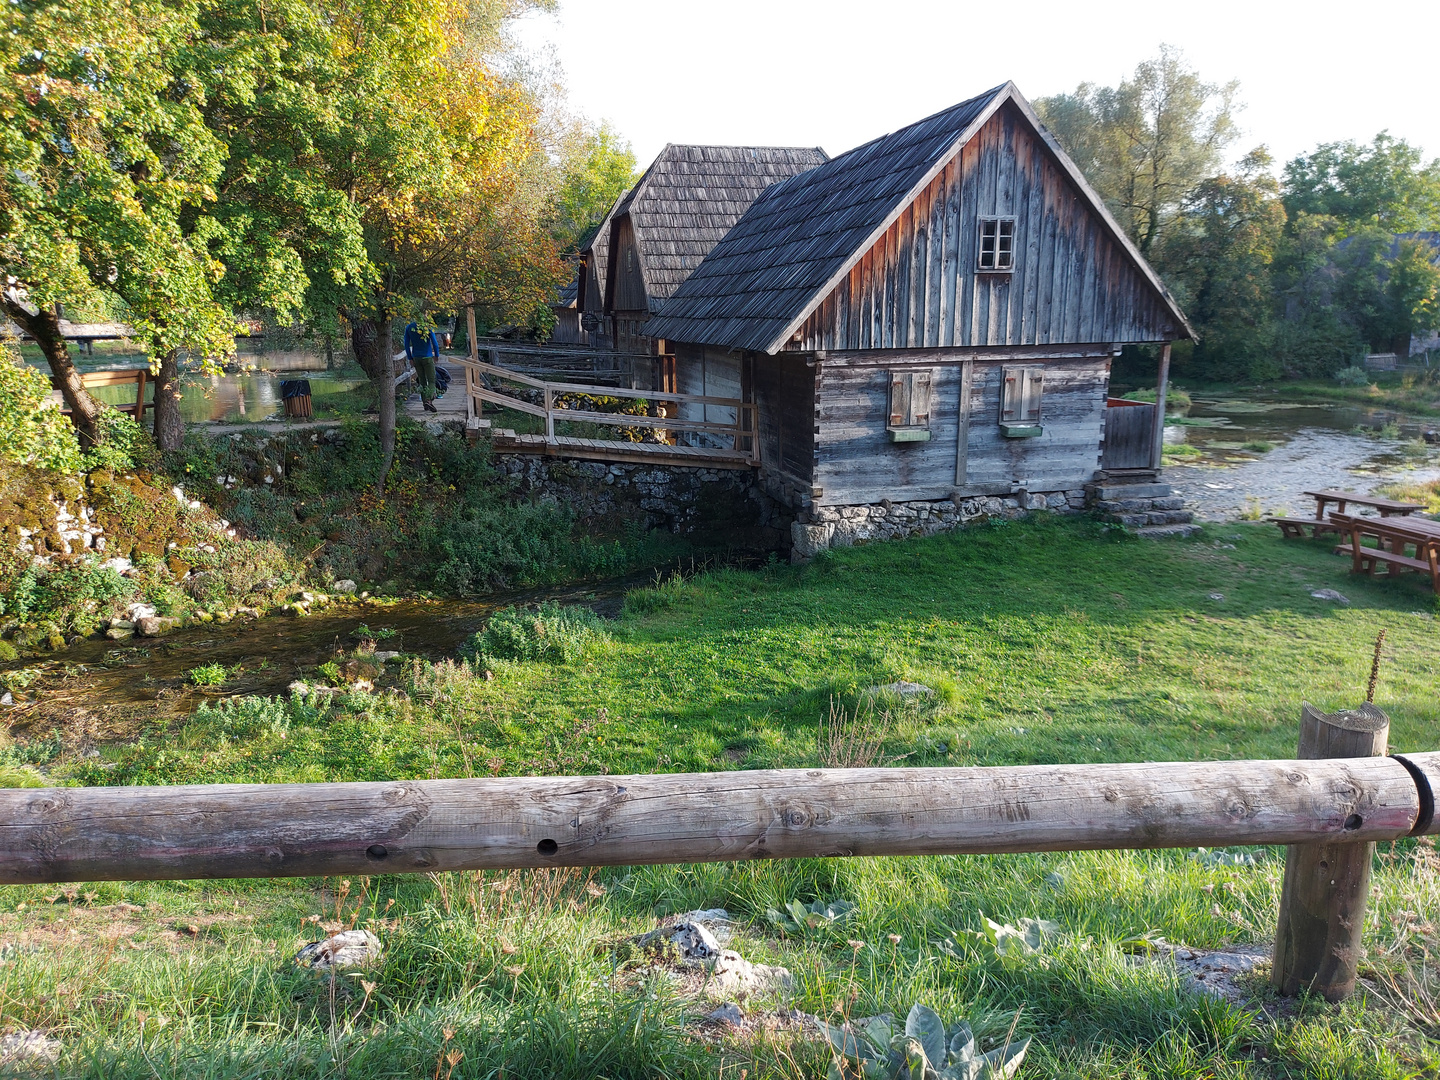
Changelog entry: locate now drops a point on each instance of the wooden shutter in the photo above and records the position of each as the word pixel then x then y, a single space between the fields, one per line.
pixel 1012 394
pixel 899 399
pixel 920 399
pixel 1034 388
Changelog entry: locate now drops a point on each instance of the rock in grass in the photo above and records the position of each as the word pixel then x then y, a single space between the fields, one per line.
pixel 901 689
pixel 20 1048
pixel 341 951
pixel 1330 594
pixel 729 1013
pixel 344 586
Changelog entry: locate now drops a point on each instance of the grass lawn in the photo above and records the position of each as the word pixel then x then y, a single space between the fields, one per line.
pixel 1044 641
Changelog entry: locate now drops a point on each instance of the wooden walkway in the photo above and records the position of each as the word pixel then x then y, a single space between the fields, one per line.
pixel 490 383
pixel 506 441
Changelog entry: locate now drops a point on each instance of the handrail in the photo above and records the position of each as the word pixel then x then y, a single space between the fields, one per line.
pixel 600 391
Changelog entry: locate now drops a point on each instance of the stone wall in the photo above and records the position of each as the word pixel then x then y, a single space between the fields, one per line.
pixel 842 526
pixel 724 508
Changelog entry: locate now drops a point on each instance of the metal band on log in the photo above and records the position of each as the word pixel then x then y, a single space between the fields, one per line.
pixel 278 830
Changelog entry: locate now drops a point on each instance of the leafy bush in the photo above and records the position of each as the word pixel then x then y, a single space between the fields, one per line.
pixel 32 430
pixel 208 675
pixel 243 719
pixel 1175 399
pixel 123 444
pixel 923 1048
pixel 549 633
pixel 1353 376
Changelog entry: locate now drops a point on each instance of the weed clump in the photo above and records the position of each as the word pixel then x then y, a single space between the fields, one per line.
pixel 551 634
pixel 208 675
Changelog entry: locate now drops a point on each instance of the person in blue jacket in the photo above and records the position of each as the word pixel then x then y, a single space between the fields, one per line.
pixel 422 350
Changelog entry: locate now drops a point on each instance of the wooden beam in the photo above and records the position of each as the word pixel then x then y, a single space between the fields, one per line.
pixel 1162 387
pixel 415 826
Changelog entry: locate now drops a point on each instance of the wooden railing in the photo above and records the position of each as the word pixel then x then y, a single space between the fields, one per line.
pixel 1330 804
pixel 483 384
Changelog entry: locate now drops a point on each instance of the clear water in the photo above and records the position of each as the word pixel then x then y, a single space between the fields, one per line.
pixel 250 394
pixel 1314 445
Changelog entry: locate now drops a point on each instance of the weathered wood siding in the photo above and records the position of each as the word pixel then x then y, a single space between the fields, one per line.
pixel 919 287
pixel 627 281
pixel 784 388
pixel 855 462
pixel 1129 437
pixel 708 372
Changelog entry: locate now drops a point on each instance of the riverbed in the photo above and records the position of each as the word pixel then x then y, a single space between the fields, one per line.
pixel 1310 445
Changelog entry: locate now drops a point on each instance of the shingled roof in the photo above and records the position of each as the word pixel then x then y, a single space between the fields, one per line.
pixel 595 252
pixel 800 237
pixel 691 196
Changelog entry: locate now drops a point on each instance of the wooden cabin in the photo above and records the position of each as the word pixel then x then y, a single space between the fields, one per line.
pixel 689 198
pixel 930 316
pixel 589 302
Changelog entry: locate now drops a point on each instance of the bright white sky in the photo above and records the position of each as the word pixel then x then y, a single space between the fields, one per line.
pixel 835 73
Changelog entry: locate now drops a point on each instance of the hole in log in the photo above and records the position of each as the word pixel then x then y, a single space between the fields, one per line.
pixel 547 847
pixel 377 851
pixel 1353 822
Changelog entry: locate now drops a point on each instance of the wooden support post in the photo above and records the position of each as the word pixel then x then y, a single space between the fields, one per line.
pixel 1322 901
pixel 1162 388
pixel 470 330
pixel 549 416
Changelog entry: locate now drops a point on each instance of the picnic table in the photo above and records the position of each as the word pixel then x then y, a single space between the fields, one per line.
pixel 1401 543
pixel 1294 528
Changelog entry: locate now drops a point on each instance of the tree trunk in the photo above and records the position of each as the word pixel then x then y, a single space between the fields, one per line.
pixel 44 327
pixel 370 340
pixel 169 426
pixel 386 404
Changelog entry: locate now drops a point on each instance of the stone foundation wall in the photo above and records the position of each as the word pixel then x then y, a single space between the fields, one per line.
pixel 714 507
pixel 842 526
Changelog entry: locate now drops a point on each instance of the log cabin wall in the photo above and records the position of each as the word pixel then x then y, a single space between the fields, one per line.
pixel 919 287
pixel 708 372
pixel 856 463
pixel 784 389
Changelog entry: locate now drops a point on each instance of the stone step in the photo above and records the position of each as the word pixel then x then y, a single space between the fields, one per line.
pixel 1117 492
pixel 1164 532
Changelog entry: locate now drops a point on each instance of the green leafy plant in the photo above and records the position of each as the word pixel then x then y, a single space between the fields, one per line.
pixel 925 1049
pixel 330 672
pixel 549 633
pixel 1257 446
pixel 1353 376
pixel 1027 939
pixel 800 920
pixel 382 633
pixel 32 431
pixel 208 675
pixel 1223 858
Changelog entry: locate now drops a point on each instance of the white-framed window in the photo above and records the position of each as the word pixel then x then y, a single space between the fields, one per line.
pixel 997 243
pixel 909 419
pixel 1021 389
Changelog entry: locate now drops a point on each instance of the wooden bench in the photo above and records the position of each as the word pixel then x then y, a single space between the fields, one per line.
pixel 1387 507
pixel 132 376
pixel 1392 539
pixel 1293 528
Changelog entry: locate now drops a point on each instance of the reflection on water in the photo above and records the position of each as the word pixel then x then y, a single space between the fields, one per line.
pixel 249 394
pixel 1264 454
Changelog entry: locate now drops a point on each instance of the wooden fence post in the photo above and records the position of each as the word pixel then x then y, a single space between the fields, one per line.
pixel 1322 902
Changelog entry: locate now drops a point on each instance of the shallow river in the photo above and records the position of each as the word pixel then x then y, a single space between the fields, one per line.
pixel 1314 446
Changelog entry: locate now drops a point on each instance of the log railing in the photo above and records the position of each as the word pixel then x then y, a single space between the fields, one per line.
pixel 1330 810
pixel 483 383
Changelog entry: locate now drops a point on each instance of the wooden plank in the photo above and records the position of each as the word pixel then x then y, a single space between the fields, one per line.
pixel 420 826
pixel 962 436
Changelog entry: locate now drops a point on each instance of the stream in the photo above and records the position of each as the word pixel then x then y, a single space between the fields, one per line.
pixel 1313 445
pixel 107 688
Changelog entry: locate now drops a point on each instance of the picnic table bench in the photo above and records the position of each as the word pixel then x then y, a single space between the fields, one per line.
pixel 132 376
pixel 1294 528
pixel 1394 537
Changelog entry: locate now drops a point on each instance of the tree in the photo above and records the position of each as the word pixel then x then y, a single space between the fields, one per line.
pixel 1219 256
pixel 109 163
pixel 597 167
pixel 1386 184
pixel 1146 144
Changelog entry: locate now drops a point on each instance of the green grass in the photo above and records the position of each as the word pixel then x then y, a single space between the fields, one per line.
pixel 1045 641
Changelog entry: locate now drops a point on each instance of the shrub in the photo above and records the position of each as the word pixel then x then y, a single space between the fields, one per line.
pixel 550 633
pixel 32 431
pixel 208 675
pixel 1176 400
pixel 1353 376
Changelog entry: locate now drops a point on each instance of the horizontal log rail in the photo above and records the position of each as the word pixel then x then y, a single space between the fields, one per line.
pixel 415 826
pixel 742 429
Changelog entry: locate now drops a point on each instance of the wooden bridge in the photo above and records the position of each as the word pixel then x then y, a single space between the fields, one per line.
pixel 665 429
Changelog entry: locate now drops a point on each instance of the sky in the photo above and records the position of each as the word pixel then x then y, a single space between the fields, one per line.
pixel 835 74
